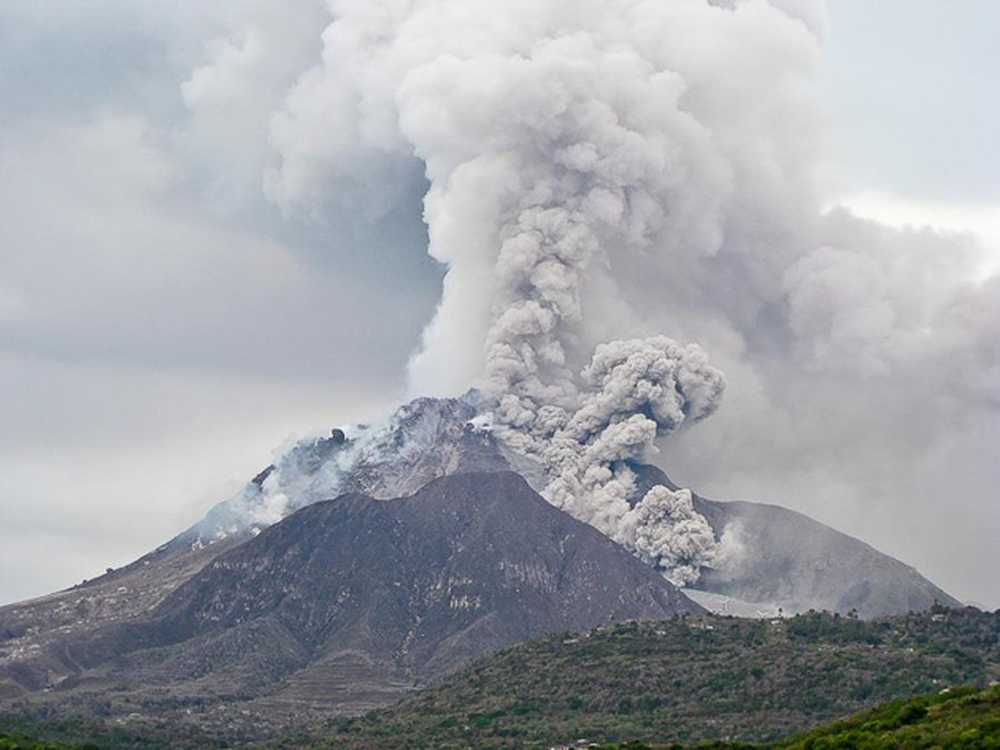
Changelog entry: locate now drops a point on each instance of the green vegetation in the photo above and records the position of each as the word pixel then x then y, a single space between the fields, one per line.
pixel 67 733
pixel 958 719
pixel 686 680
pixel 965 718
pixel 19 742
pixel 673 683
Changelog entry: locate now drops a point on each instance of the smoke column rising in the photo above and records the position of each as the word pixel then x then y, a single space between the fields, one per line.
pixel 558 149
pixel 633 168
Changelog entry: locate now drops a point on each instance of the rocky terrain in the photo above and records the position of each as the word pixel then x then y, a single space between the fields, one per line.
pixel 284 604
pixel 787 560
pixel 33 633
pixel 777 558
pixel 348 604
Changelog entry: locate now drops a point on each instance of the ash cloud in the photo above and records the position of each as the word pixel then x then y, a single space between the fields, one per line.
pixel 557 148
pixel 631 393
pixel 861 360
pixel 638 168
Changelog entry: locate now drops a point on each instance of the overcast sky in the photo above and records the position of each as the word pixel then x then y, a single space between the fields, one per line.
pixel 167 322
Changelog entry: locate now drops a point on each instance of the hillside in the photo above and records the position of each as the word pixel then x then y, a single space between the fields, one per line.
pixel 790 561
pixel 686 680
pixel 962 718
pixel 344 606
pixel 22 742
pixel 950 718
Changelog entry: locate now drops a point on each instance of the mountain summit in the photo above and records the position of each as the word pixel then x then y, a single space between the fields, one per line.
pixel 374 559
pixel 770 557
pixel 346 603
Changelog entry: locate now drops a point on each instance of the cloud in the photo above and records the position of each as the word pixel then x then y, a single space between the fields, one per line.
pixel 162 327
pixel 101 462
pixel 237 190
pixel 612 174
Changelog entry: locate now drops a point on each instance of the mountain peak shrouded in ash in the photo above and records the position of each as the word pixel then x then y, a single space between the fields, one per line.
pixel 598 177
pixel 582 466
pixel 342 606
pixel 559 151
pixel 592 180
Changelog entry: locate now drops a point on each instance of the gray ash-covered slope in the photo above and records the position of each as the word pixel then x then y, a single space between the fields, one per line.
pixel 346 603
pixel 32 632
pixel 786 559
pixel 423 440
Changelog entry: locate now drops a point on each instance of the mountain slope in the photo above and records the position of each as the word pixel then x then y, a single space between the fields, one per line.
pixel 347 603
pixel 775 557
pixel 786 559
pixel 685 680
pixel 951 718
pixel 31 632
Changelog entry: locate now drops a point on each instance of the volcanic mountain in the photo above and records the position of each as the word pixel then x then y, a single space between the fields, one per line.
pixel 346 603
pixel 777 558
pixel 317 587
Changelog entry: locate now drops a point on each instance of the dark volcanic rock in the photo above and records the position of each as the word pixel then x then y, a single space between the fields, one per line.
pixel 33 633
pixel 469 563
pixel 785 559
pixel 347 602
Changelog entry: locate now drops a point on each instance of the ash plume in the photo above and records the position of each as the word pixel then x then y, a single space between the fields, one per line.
pixel 634 168
pixel 631 393
pixel 557 148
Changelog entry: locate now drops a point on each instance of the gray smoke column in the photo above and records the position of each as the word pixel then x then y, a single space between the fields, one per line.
pixel 559 149
pixel 632 392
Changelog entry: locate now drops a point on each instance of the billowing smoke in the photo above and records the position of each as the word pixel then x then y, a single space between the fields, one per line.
pixel 630 393
pixel 644 167
pixel 558 147
pixel 567 147
pixel 641 167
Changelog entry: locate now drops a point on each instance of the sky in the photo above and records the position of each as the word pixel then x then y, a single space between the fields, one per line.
pixel 172 311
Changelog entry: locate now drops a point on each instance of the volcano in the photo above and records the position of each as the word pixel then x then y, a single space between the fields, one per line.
pixel 781 559
pixel 342 606
pixel 377 559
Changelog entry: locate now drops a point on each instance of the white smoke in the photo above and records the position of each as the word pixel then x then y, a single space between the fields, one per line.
pixel 564 144
pixel 559 147
pixel 634 167
pixel 665 529
pixel 631 392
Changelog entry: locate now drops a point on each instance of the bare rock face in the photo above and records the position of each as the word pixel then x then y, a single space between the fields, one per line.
pixel 776 558
pixel 346 603
pixel 782 559
pixel 423 440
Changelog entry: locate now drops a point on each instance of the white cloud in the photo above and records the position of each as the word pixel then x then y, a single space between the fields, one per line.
pixel 861 358
pixel 901 211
